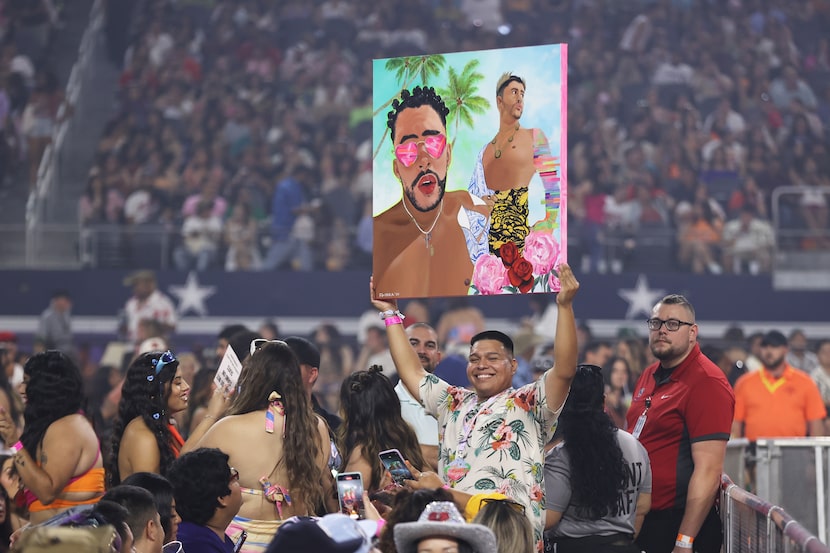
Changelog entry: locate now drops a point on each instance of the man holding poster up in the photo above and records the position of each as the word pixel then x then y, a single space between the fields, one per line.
pixel 422 250
pixel 493 436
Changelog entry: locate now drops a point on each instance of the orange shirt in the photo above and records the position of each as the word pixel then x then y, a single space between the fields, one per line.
pixel 775 408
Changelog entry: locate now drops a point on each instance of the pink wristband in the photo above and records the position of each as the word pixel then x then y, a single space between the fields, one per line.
pixel 17 446
pixel 394 320
pixel 381 524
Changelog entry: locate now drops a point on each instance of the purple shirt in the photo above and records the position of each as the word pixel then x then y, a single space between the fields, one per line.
pixel 202 539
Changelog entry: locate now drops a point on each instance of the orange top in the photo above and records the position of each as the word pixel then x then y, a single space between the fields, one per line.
pixel 776 408
pixel 91 481
pixel 178 441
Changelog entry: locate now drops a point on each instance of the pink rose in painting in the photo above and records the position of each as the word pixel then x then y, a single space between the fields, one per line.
pixel 489 275
pixel 542 251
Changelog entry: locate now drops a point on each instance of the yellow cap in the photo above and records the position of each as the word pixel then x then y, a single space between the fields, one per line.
pixel 476 502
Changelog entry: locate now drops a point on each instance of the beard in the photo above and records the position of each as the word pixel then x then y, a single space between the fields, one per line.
pixel 666 350
pixel 772 362
pixel 410 191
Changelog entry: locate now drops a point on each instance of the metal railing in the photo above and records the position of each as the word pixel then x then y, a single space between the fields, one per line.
pixel 802 256
pixel 752 525
pixel 70 119
pixel 788 473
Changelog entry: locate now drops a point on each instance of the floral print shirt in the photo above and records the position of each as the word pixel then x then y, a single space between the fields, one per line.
pixel 505 439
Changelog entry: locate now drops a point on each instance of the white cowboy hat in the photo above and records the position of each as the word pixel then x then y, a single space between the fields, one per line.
pixel 441 518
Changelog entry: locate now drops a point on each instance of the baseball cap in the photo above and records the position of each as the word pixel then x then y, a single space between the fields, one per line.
pixel 333 533
pixel 306 352
pixel 774 338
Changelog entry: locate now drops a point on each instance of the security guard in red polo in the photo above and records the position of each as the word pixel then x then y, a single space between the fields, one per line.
pixel 682 413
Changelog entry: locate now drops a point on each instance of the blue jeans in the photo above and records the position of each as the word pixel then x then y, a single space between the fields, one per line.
pixel 291 250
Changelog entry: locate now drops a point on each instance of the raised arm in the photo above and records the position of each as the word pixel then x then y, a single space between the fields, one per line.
pixel 565 351
pixel 406 360
pixel 218 404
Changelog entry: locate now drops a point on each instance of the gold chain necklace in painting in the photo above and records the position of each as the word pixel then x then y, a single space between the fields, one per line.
pixel 427 233
pixel 509 140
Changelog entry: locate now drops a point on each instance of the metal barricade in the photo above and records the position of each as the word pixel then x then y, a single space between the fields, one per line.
pixel 802 256
pixel 789 473
pixel 752 525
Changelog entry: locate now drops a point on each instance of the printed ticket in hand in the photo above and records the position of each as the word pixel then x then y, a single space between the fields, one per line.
pixel 228 372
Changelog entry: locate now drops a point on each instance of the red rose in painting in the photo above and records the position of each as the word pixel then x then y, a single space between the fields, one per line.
pixel 521 275
pixel 508 253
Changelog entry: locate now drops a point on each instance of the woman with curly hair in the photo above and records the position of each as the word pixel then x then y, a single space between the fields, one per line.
pixel 58 456
pixel 277 444
pixel 597 479
pixel 372 423
pixel 144 438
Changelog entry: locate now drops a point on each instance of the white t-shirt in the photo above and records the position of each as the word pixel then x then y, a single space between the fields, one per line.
pixel 425 426
pixel 157 307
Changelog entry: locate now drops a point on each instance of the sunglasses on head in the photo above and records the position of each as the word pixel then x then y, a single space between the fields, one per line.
pixel 257 343
pixel 518 507
pixel 407 152
pixel 158 364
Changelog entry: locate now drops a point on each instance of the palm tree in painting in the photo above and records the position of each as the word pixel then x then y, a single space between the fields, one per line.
pixel 461 96
pixel 408 70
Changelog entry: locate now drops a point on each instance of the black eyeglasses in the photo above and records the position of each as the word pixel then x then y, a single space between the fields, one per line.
pixel 671 324
pixel 518 507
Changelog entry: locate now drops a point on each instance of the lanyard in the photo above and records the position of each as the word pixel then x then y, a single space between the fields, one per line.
pixel 772 386
pixel 641 420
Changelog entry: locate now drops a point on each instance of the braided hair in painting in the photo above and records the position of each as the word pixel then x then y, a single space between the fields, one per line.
pixel 372 420
pixel 274 368
pixel 596 460
pixel 144 397
pixel 420 96
pixel 54 389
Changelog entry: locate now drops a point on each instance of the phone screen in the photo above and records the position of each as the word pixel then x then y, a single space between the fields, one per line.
pixel 350 494
pixel 394 463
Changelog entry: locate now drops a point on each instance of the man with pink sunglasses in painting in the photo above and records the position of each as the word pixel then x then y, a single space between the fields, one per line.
pixel 420 247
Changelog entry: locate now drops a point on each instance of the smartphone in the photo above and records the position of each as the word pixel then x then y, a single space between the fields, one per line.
pixel 350 494
pixel 394 463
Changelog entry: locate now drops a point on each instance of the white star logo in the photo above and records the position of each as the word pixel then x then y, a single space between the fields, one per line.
pixel 641 298
pixel 191 296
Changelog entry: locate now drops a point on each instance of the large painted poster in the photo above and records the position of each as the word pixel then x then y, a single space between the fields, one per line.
pixel 469 167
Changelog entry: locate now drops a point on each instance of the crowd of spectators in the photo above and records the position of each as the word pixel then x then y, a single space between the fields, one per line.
pixel 30 97
pixel 683 119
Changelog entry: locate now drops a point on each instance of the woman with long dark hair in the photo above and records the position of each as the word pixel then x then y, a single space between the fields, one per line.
pixel 597 479
pixel 58 456
pixel 11 484
pixel 372 423
pixel 6 526
pixel 277 444
pixel 618 382
pixel 144 438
